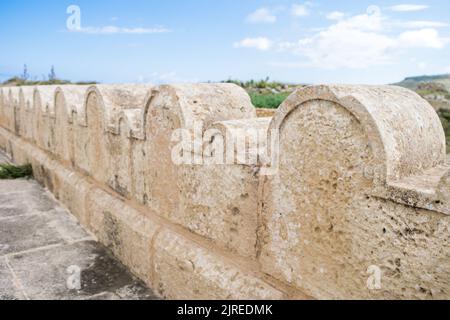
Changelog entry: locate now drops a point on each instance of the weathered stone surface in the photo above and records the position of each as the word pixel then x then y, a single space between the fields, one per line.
pixel 322 226
pixel 185 271
pixel 126 232
pixel 361 184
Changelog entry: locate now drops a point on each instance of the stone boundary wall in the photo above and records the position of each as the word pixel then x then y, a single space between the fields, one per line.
pixel 361 188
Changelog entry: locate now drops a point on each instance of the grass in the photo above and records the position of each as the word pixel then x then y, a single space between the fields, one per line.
pixel 269 100
pixel 8 171
pixel 445 118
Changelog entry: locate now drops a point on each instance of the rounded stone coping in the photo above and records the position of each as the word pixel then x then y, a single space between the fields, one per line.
pixel 206 103
pixel 194 103
pixel 404 131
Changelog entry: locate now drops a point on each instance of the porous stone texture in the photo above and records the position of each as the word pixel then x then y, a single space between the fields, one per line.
pixel 124 231
pixel 359 183
pixel 323 224
pixel 204 275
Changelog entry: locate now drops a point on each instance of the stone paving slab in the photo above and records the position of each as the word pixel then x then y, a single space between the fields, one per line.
pixel 44 250
pixel 45 273
pixel 8 289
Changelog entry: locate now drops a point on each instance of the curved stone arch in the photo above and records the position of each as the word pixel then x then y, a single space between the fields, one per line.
pixel 74 97
pixel 115 98
pixel 27 95
pixel 355 107
pixel 89 149
pixel 390 139
pixel 27 117
pixel 37 116
pixel 14 95
pixel 67 101
pixel 191 107
pixel 44 103
pixel 14 118
pixel 322 224
pixel 47 96
pixel 83 118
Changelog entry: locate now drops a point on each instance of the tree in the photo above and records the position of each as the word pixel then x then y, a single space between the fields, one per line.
pixel 25 74
pixel 52 75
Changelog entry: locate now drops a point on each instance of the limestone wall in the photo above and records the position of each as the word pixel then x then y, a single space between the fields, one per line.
pixel 358 184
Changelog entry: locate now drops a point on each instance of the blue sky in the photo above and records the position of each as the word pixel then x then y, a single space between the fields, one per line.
pixel 317 41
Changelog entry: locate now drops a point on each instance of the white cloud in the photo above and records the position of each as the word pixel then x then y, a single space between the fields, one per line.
pixel 447 70
pixel 342 47
pixel 300 10
pixel 424 38
pixel 422 24
pixel 356 42
pixel 262 15
pixel 107 30
pixel 335 15
pixel 408 7
pixel 359 42
pixel 260 43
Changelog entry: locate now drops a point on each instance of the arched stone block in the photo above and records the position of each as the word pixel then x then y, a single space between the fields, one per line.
pixel 99 121
pixel 44 111
pixel 159 181
pixel 11 105
pixel 68 101
pixel 226 212
pixel 323 228
pixel 118 98
pixel 26 116
pixel 89 147
pixel 15 111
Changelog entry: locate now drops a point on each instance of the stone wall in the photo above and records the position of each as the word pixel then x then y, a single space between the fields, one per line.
pixel 360 184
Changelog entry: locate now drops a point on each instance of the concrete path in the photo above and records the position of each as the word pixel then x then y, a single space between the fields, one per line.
pixel 46 254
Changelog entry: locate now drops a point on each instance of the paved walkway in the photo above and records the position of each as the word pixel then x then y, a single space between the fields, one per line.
pixel 46 254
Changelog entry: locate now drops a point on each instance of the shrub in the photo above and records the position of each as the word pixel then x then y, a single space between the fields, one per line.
pixel 268 101
pixel 8 171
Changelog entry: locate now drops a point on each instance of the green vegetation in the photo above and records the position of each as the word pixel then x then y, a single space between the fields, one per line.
pixel 269 100
pixel 414 82
pixel 435 89
pixel 8 171
pixel 445 118
pixel 266 94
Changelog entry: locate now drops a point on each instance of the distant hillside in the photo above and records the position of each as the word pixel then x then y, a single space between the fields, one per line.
pixel 436 90
pixel 413 82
